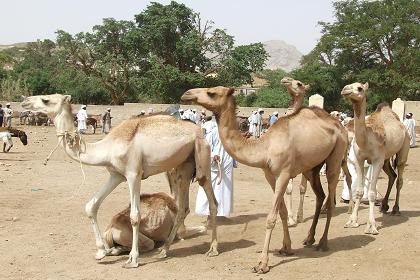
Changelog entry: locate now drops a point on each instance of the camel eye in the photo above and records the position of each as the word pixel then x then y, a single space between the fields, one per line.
pixel 299 84
pixel 45 101
pixel 359 89
pixel 211 94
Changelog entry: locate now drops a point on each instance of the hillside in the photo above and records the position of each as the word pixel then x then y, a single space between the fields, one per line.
pixel 16 45
pixel 282 55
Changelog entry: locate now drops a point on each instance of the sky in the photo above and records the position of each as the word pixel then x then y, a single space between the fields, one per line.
pixel 294 22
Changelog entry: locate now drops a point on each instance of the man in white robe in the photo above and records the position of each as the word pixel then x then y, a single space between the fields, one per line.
pixel 223 191
pixel 208 126
pixel 257 123
pixel 251 122
pixel 368 171
pixel 81 119
pixel 410 124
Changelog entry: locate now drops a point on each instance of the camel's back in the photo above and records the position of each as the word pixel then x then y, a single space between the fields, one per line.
pixel 155 125
pixel 388 128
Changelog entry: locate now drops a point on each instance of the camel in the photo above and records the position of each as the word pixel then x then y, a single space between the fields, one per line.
pixel 16 133
pixel 134 150
pixel 6 137
pixel 282 153
pixel 296 89
pixel 158 211
pixel 377 139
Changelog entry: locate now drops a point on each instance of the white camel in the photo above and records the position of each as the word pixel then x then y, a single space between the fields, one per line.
pixel 134 150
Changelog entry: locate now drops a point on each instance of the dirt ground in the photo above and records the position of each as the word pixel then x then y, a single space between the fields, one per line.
pixel 45 234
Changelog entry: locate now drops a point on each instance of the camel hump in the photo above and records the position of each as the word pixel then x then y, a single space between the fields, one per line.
pixel 159 200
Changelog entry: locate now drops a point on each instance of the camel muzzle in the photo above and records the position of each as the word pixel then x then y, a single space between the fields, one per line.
pixel 188 98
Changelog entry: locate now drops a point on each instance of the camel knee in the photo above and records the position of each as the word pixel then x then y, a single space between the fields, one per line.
pixel 271 223
pixel 359 194
pixel 134 217
pixel 91 208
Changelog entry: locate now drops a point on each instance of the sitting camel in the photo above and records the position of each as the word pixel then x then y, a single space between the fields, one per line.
pixel 132 151
pixel 157 219
pixel 376 139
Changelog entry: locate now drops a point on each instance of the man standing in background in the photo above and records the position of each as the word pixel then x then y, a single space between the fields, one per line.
pixel 81 119
pixel 8 113
pixel 106 121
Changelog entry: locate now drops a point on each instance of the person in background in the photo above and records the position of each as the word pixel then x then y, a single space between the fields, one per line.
pixel 81 119
pixel 222 187
pixel 194 116
pixel 257 122
pixel 150 111
pixel 8 114
pixel 251 122
pixel 106 121
pixel 203 117
pixel 274 118
pixel 1 115
pixel 410 125
pixel 182 114
pixel 142 113
pixel 209 125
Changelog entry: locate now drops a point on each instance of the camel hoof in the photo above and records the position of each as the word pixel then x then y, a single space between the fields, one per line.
pixel 351 224
pixel 371 229
pixel 384 208
pixel 322 246
pixel 309 241
pixel 291 222
pixel 261 269
pixel 395 213
pixel 212 253
pixel 131 265
pixel 100 254
pixel 285 252
pixel 163 254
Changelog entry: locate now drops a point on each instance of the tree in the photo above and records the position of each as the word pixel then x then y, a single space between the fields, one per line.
pixel 375 41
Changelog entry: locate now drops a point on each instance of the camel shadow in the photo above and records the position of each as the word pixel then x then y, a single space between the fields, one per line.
pixel 388 220
pixel 345 243
pixel 240 219
pixel 338 210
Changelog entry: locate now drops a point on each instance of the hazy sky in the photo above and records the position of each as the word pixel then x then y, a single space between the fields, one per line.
pixel 248 21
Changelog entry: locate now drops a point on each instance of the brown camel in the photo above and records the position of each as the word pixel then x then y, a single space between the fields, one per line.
pixel 282 153
pixel 377 139
pixel 158 212
pixel 134 150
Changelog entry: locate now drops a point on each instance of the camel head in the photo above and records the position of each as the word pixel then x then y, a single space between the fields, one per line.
pixel 213 99
pixel 295 87
pixel 48 104
pixel 355 92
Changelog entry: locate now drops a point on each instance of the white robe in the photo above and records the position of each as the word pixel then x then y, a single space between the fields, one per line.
pixel 251 124
pixel 224 191
pixel 81 120
pixel 368 171
pixel 257 123
pixel 208 126
pixel 410 124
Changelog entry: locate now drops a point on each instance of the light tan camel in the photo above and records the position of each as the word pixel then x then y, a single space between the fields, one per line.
pixel 296 90
pixel 282 153
pixel 158 212
pixel 377 139
pixel 134 150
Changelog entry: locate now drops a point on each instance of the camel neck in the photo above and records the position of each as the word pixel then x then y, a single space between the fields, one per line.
pixel 74 146
pixel 247 151
pixel 297 102
pixel 360 123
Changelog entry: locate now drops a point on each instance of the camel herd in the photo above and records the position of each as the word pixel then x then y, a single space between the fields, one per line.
pixel 142 147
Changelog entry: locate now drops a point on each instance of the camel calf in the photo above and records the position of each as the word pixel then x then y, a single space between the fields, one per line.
pixel 158 213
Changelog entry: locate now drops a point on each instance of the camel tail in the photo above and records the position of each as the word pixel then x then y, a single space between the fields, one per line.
pixel 108 238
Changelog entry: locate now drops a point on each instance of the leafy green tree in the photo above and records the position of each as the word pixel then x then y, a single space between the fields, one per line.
pixel 375 41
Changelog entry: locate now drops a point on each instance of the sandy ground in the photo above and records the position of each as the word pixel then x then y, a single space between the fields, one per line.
pixel 44 232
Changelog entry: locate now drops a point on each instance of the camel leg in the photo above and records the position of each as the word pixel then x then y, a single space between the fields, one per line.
pixel 213 214
pixel 277 203
pixel 401 160
pixel 302 189
pixel 288 198
pixel 333 174
pixel 359 164
pixel 92 207
pixel 314 180
pixel 182 199
pixel 347 175
pixel 391 179
pixel 134 184
pixel 371 224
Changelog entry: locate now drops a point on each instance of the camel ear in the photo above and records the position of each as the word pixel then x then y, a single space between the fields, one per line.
pixel 231 91
pixel 67 98
pixel 307 87
pixel 366 86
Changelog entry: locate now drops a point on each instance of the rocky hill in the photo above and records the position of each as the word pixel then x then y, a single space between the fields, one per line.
pixel 282 55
